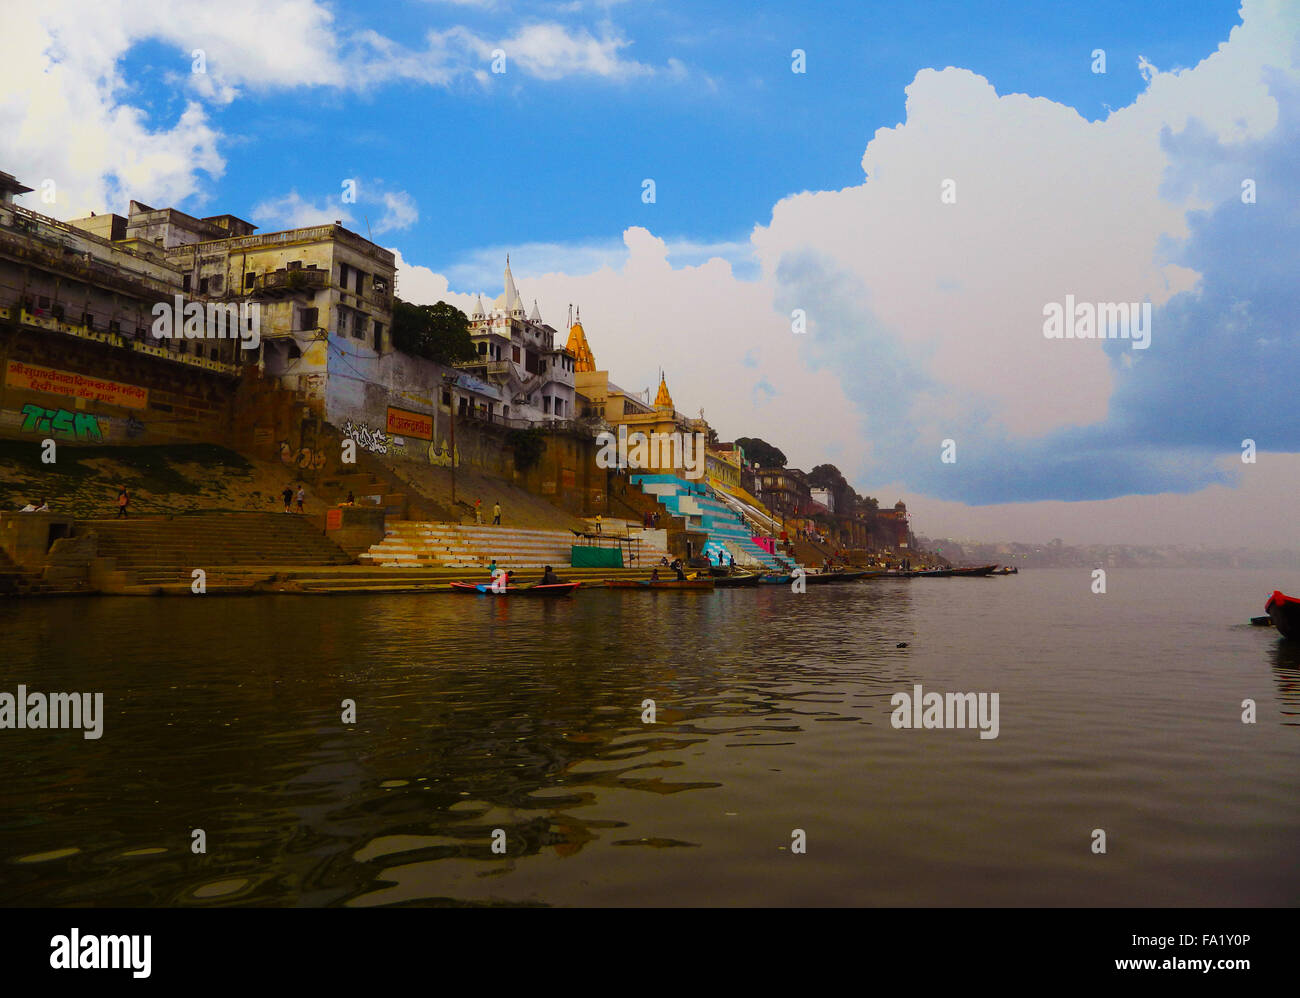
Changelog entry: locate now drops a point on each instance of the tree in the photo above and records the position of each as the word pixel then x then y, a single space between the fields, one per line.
pixel 761 453
pixel 439 333
pixel 528 446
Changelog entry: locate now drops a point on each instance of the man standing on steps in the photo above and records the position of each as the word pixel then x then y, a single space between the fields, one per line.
pixel 478 511
pixel 496 513
pixel 123 500
pixel 302 495
pixel 287 495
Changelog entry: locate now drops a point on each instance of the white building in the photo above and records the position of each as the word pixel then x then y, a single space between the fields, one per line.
pixel 517 353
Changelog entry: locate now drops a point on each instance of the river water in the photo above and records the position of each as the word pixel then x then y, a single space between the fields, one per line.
pixel 1120 712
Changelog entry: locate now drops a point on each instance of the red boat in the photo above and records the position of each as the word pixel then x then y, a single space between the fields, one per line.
pixel 1284 611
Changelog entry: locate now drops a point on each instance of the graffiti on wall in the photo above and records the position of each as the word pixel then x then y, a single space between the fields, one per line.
pixel 303 457
pixel 61 423
pixel 375 441
pixel 440 455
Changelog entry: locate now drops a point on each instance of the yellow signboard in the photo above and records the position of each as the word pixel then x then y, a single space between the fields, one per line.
pixel 77 386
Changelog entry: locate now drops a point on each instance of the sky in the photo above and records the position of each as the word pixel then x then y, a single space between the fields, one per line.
pixel 913 186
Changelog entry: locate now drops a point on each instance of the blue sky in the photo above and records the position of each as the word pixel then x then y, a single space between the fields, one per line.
pixel 777 192
pixel 527 160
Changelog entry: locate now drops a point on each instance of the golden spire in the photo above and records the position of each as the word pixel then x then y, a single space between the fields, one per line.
pixel 663 400
pixel 578 346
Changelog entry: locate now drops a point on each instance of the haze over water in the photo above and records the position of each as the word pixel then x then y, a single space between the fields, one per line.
pixel 1120 712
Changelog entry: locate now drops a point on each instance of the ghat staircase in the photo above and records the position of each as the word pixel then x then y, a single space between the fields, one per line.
pixel 414 544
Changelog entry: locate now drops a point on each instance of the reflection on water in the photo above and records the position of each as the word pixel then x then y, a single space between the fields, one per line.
pixel 479 715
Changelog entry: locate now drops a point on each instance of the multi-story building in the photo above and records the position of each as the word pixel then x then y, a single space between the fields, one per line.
pixel 784 491
pixel 517 354
pixel 324 293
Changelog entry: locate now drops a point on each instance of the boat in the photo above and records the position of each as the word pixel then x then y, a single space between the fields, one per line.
pixel 973 573
pixel 551 589
pixel 1284 611
pixel 774 579
pixel 934 573
pixel 736 581
pixel 825 578
pixel 1005 571
pixel 659 583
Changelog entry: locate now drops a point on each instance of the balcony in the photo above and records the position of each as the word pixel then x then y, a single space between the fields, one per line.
pixel 287 283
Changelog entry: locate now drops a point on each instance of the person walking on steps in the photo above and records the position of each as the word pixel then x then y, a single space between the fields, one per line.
pixel 302 495
pixel 496 514
pixel 287 495
pixel 123 500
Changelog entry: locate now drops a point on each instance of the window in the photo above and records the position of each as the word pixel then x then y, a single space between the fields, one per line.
pixel 215 283
pixel 43 301
pixel 482 349
pixel 343 321
pixel 308 318
pixel 379 336
pixel 294 352
pixel 343 276
pixel 203 285
pixel 114 326
pixel 185 283
pixel 546 403
pixel 514 354
pixel 249 280
pixel 380 284
pixel 87 320
pixel 446 398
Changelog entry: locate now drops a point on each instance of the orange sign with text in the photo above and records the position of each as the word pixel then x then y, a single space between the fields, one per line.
pixel 77 386
pixel 410 424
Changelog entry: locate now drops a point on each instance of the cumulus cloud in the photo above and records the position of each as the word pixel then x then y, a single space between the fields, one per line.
pixel 925 319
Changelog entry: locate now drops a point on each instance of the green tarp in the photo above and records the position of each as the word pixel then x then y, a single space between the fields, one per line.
pixel 583 556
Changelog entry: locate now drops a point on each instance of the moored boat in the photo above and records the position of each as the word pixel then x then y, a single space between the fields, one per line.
pixel 659 583
pixel 971 573
pixel 774 579
pixel 1284 611
pixel 736 581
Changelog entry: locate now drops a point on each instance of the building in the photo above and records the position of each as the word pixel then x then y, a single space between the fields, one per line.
pixel 324 293
pixel 784 491
pixel 517 355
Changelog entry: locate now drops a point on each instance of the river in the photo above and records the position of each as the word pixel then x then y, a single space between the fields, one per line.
pixel 521 721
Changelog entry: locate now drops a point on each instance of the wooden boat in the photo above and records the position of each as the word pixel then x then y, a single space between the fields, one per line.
pixel 973 573
pixel 659 584
pixel 485 589
pixel 774 579
pixel 736 581
pixel 827 578
pixel 934 573
pixel 1005 571
pixel 1284 611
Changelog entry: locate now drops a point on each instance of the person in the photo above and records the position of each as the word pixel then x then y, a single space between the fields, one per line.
pixel 549 578
pixel 598 523
pixel 654 575
pixel 287 495
pixel 351 499
pixel 681 575
pixel 32 507
pixel 123 500
pixel 492 568
pixel 478 511
pixel 664 561
pixel 302 495
pixel 496 513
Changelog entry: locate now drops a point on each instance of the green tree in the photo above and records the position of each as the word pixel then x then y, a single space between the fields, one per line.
pixel 761 453
pixel 436 332
pixel 528 446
